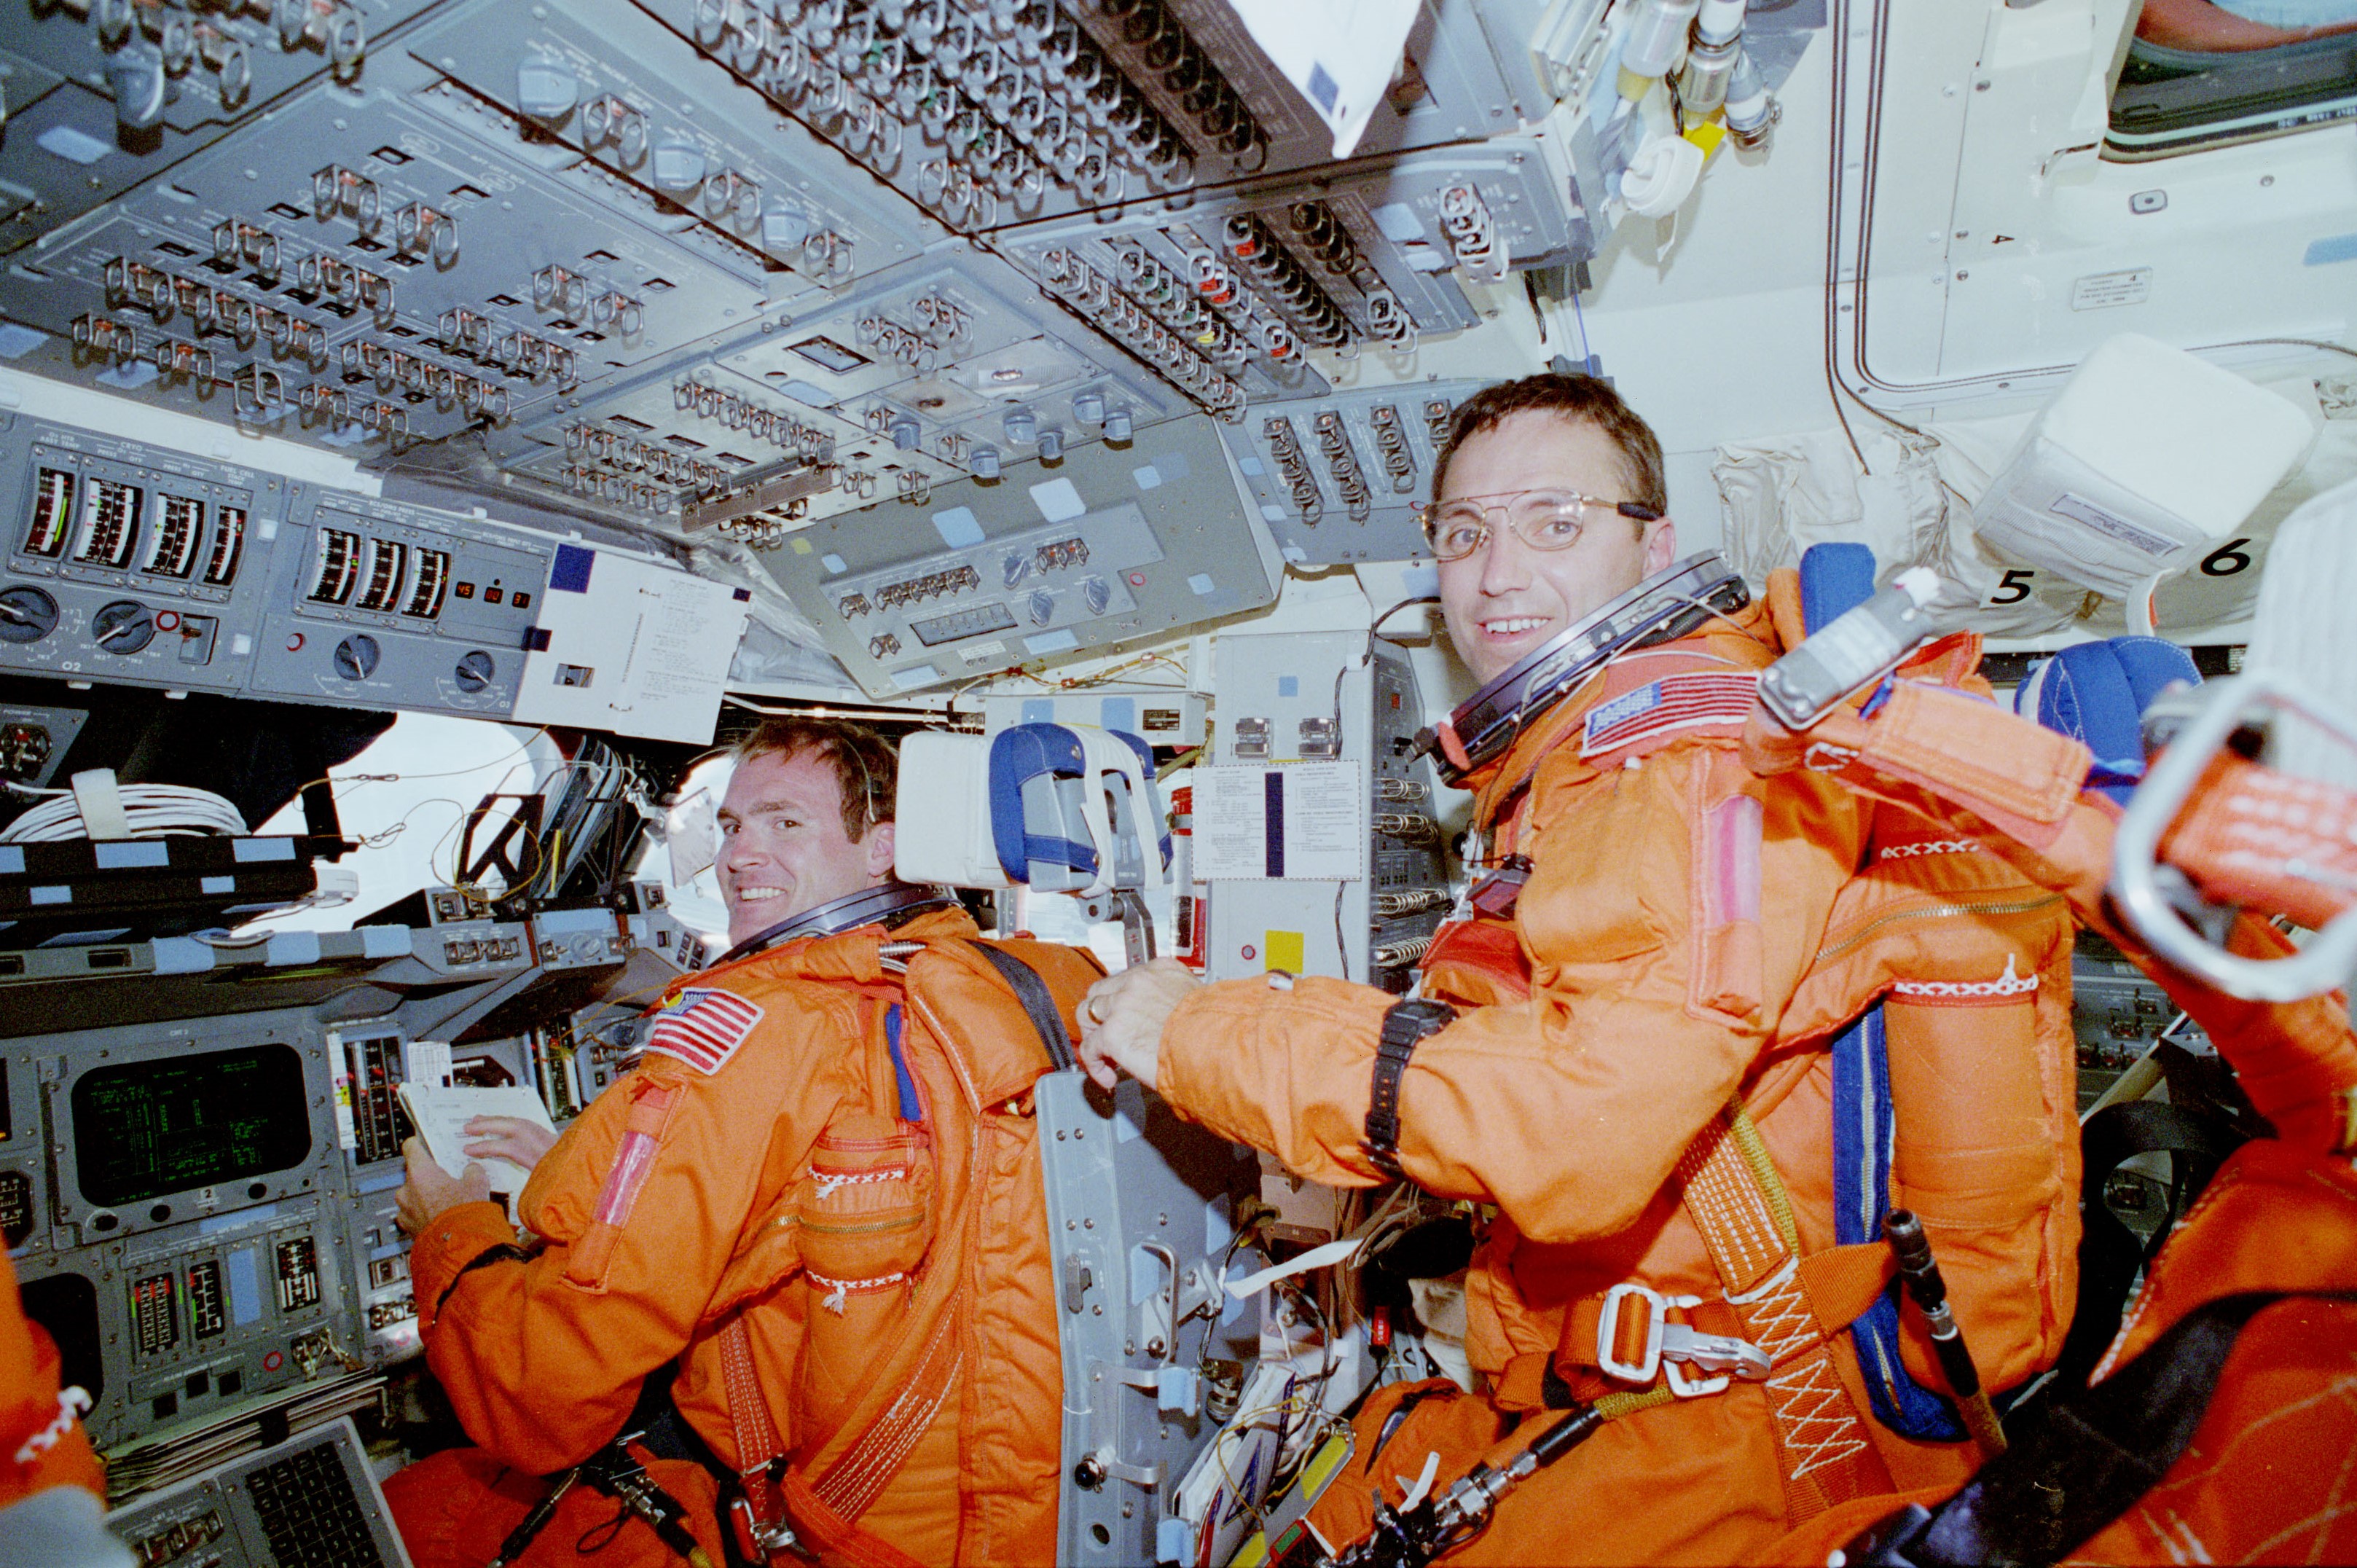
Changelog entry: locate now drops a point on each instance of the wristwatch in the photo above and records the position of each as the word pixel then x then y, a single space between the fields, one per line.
pixel 1405 1026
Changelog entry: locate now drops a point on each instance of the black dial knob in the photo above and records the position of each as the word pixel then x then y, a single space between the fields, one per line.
pixel 26 615
pixel 475 670
pixel 126 626
pixel 356 656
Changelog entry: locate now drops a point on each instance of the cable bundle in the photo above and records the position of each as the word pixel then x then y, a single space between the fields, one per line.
pixel 154 811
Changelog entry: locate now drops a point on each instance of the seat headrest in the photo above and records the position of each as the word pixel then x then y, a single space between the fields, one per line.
pixel 2096 692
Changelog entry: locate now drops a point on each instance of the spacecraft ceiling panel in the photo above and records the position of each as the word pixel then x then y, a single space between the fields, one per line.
pixel 1113 544
pixel 1339 477
pixel 97 103
pixel 684 264
pixel 357 276
pixel 604 80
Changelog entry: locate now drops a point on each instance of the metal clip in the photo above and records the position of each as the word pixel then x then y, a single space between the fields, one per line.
pixel 769 1536
pixel 1674 1342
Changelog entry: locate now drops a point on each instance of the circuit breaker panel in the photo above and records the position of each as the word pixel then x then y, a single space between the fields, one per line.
pixel 1331 697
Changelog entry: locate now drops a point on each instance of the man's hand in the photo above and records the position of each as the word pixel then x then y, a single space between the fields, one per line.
pixel 510 1138
pixel 1122 1019
pixel 430 1189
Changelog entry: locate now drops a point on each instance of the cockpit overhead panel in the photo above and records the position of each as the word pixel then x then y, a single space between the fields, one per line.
pixel 1339 478
pixel 712 262
pixel 1112 546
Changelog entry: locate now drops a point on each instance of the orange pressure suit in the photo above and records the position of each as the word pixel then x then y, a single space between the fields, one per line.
pixel 1690 935
pixel 866 1293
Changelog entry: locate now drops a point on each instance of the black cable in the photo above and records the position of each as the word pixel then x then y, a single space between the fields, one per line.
pixel 611 1529
pixel 1341 948
pixel 1375 628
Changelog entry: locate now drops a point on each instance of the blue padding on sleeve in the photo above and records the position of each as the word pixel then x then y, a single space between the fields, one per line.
pixel 2096 692
pixel 1835 578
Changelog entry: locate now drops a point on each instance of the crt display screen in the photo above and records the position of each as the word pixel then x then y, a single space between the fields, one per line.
pixel 146 1129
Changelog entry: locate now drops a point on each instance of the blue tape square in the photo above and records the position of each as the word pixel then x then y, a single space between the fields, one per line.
pixel 571 572
pixel 958 527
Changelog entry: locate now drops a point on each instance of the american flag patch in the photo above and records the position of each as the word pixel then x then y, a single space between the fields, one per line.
pixel 703 1026
pixel 1673 702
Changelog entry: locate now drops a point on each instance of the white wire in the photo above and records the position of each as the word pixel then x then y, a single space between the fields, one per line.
pixel 154 811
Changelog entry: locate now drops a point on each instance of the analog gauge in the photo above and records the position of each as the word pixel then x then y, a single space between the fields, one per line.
pixel 126 626
pixel 26 614
pixel 356 656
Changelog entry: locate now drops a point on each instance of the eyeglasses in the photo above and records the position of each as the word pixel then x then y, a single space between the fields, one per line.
pixel 1544 520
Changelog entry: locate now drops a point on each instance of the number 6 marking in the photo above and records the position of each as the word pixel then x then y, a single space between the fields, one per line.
pixel 2226 560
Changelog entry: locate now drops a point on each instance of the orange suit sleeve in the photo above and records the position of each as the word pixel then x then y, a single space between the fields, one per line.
pixel 1670 912
pixel 642 1204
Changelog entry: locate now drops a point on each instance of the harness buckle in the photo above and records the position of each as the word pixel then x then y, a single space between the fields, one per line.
pixel 762 1539
pixel 1723 1354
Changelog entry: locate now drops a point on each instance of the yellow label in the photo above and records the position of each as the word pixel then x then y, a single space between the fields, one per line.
pixel 1284 951
pixel 802 546
pixel 1707 135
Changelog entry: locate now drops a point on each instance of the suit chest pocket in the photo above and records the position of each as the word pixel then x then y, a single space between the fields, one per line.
pixel 864 1209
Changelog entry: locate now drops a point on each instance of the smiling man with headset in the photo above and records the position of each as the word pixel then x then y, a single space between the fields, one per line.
pixel 768 1253
pixel 1668 983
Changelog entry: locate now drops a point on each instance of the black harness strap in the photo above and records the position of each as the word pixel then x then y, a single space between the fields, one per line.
pixel 1038 1001
pixel 2077 1462
pixel 2110 1254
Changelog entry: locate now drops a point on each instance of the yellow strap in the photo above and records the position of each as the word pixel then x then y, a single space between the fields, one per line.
pixel 1764 1172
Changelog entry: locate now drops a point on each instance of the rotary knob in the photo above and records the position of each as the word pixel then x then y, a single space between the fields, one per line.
pixel 124 626
pixel 26 614
pixel 356 656
pixel 475 670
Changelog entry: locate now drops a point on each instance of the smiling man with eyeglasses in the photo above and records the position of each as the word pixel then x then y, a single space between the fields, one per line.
pixel 1550 504
pixel 1648 1043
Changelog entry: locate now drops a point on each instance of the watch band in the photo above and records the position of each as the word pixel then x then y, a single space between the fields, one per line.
pixel 1405 1026
pixel 501 1253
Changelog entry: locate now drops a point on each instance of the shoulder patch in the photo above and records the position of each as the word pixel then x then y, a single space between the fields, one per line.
pixel 1699 700
pixel 703 1026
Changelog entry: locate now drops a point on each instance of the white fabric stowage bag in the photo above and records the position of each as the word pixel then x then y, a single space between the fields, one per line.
pixel 2147 455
